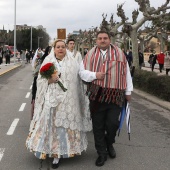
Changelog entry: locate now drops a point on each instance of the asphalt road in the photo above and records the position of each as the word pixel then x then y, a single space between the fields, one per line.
pixel 148 148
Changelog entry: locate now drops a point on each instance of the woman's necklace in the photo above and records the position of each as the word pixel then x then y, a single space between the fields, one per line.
pixel 58 61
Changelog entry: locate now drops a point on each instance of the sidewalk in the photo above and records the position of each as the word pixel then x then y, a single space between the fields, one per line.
pixel 4 69
pixel 153 99
pixel 156 69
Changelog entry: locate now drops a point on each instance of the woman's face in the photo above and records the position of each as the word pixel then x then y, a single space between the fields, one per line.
pixel 60 49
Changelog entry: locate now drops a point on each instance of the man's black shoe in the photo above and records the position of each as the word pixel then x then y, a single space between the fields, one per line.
pixel 111 151
pixel 101 160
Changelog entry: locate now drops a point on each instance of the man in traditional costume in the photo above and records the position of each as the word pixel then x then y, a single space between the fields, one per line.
pixel 106 69
pixel 72 52
pixel 61 119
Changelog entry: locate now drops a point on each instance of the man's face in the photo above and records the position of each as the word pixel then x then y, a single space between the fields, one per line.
pixel 71 45
pixel 103 41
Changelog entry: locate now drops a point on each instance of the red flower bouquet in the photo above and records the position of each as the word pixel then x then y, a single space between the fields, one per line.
pixel 47 70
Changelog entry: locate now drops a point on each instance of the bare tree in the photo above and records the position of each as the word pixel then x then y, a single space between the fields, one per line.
pixel 149 13
pixel 113 26
pixel 149 32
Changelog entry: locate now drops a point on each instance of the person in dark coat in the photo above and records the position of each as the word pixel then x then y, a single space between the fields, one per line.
pixel 7 57
pixel 141 59
pixel 3 54
pixel 28 57
pixel 0 56
pixel 30 54
pixel 129 57
pixel 152 60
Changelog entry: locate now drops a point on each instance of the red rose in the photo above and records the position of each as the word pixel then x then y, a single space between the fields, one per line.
pixel 46 67
pixel 47 70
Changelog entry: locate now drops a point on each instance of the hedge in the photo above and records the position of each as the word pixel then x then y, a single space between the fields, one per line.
pixel 151 83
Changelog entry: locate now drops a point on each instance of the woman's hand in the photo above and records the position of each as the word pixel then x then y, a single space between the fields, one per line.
pixel 54 78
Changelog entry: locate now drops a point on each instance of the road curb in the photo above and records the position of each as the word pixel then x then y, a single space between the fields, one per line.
pixel 153 99
pixel 14 67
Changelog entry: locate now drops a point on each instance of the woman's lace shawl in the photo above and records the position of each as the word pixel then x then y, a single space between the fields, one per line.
pixel 72 106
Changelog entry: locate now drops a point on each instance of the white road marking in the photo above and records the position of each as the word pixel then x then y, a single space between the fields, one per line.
pixel 28 95
pixel 2 150
pixel 22 107
pixel 30 87
pixel 13 126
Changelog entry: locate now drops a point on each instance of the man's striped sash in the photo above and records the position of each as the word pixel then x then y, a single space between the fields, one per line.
pixel 114 65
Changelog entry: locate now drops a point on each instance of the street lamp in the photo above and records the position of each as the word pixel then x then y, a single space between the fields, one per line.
pixel 14 31
pixel 31 40
pixel 39 40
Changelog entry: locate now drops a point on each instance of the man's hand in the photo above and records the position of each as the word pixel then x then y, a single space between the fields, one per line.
pixel 100 75
pixel 128 97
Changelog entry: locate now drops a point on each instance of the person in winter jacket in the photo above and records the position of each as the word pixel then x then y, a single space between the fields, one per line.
pixel 160 59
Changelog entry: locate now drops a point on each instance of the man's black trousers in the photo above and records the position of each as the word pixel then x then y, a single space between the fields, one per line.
pixel 105 119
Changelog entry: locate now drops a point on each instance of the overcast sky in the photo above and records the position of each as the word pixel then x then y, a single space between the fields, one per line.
pixel 70 14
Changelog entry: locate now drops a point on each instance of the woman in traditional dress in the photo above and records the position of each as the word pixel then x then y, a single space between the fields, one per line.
pixel 38 54
pixel 61 119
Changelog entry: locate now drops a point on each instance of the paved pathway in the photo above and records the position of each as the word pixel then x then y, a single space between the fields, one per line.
pixel 156 69
pixel 4 68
